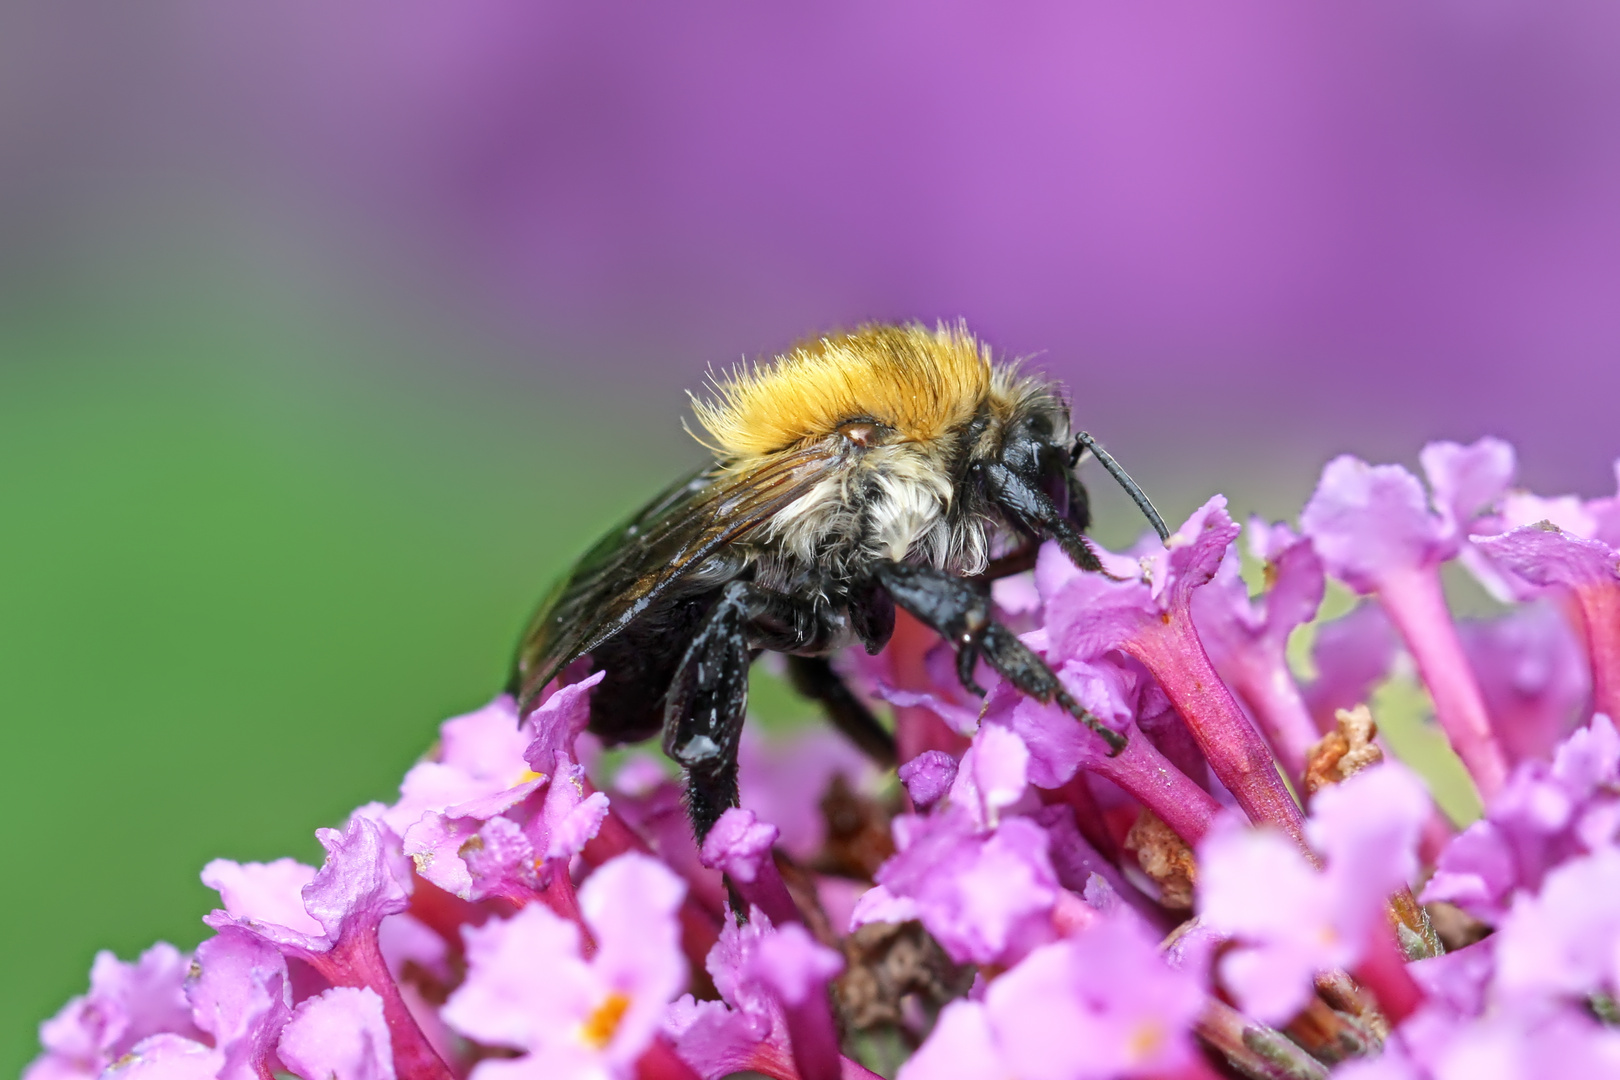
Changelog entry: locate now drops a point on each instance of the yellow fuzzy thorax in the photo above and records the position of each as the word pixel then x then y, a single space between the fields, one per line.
pixel 920 382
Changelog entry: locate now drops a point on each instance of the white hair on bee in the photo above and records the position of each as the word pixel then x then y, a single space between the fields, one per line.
pixel 893 503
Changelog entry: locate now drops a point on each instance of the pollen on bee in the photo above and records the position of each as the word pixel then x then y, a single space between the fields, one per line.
pixel 919 382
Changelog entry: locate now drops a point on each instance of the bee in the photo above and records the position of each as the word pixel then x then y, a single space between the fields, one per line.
pixel 891 466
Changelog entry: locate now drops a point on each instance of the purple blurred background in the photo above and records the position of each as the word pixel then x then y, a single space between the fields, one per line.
pixel 1253 225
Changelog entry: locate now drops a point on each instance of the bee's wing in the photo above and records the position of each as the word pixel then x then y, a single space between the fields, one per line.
pixel 634 565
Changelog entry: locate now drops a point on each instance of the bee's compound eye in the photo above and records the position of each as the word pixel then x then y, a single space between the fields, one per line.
pixel 860 432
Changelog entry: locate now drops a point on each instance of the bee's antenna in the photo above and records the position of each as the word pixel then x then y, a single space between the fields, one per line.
pixel 1083 442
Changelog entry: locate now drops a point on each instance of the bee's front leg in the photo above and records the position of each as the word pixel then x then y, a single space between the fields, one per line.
pixel 1038 513
pixel 959 611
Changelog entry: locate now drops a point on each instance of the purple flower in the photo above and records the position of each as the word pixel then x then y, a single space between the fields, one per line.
pixel 1012 861
pixel 928 777
pixel 1371 522
pixel 1352 654
pixel 595 1012
pixel 795 970
pixel 962 1046
pixel 1564 941
pixel 337 932
pixel 987 896
pixel 1291 920
pixel 1533 676
pixel 126 1004
pixel 507 839
pixel 241 995
pixel 1150 618
pixel 773 1016
pixel 1102 1004
pixel 1545 555
pixel 341 904
pixel 740 846
pixel 793 966
pixel 338 1035
pixel 473 859
pixel 1545 816
pixel 1374 530
pixel 479 755
pixel 268 893
pixel 165 1057
pixel 559 722
pixel 1552 1042
pixel 1056 746
pixel 783 779
pixel 1469 484
pixel 993 775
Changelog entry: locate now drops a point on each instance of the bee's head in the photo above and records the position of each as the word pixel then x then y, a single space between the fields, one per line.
pixel 1022 459
pixel 1024 463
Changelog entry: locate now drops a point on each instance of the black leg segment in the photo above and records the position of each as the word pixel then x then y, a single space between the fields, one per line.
pixel 704 712
pixel 1036 512
pixel 959 611
pixel 708 697
pixel 815 678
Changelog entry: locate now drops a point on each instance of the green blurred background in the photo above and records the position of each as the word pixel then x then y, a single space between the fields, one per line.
pixel 253 549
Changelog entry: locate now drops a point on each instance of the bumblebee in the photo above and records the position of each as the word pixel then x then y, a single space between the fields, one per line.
pixel 895 465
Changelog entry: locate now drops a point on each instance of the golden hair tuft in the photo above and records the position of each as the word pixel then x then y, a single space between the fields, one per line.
pixel 918 381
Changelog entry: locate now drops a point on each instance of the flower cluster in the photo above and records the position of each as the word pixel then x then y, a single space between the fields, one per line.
pixel 1230 894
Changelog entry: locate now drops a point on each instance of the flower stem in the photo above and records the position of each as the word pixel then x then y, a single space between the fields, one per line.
pixel 1417 606
pixel 1264 683
pixel 1237 754
pixel 769 893
pixel 1254 1049
pixel 358 961
pixel 814 1037
pixel 1331 1036
pixel 1384 974
pixel 1147 774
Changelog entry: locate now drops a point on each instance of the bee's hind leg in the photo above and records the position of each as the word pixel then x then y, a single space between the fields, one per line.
pixel 959 611
pixel 815 678
pixel 706 706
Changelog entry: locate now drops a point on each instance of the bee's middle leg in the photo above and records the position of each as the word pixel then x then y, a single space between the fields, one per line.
pixel 815 678
pixel 959 611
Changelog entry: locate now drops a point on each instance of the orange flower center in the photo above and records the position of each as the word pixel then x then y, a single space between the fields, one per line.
pixel 598 1029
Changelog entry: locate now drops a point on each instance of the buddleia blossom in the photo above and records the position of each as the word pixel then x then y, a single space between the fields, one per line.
pixel 576 1007
pixel 1030 900
pixel 1286 919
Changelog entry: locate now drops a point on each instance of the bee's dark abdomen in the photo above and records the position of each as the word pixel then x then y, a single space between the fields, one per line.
pixel 640 661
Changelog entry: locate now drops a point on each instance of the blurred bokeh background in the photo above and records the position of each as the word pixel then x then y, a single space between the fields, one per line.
pixel 328 333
